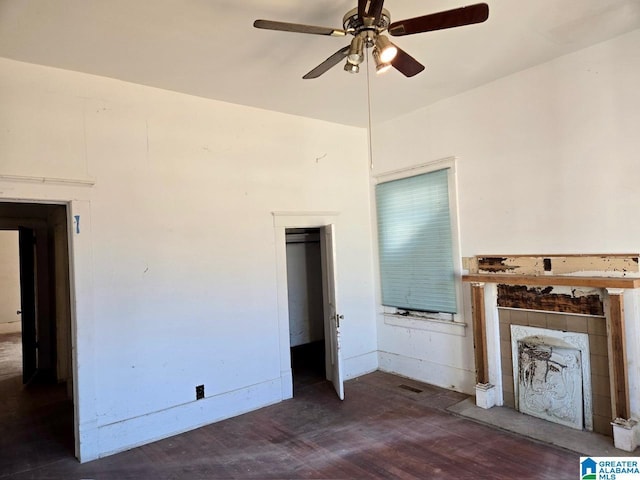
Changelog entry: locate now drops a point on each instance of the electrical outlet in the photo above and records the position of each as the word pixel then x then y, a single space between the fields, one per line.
pixel 199 392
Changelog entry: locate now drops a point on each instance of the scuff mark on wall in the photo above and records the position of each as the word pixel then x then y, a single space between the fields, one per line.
pixel 147 135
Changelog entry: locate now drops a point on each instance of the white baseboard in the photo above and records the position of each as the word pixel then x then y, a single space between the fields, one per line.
pixel 428 372
pixel 134 432
pixel 360 365
pixel 10 327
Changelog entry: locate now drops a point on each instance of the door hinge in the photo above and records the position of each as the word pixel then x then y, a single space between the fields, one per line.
pixel 338 318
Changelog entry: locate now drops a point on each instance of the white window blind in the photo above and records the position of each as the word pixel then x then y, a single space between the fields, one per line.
pixel 415 243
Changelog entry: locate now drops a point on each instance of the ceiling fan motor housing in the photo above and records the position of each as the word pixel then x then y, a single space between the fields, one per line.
pixel 355 25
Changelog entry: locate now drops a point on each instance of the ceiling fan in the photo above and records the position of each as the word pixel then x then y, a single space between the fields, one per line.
pixel 367 23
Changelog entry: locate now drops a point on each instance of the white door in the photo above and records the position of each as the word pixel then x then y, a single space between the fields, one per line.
pixel 332 315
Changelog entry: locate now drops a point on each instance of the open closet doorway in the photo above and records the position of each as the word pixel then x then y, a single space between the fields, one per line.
pixel 36 377
pixel 306 313
pixel 313 320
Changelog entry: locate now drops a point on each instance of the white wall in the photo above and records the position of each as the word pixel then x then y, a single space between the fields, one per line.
pixel 547 162
pixel 175 262
pixel 9 282
pixel 304 286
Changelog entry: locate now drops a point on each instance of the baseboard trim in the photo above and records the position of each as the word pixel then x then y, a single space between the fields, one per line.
pixel 127 434
pixel 425 371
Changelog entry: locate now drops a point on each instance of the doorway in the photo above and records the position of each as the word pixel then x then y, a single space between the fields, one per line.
pixel 36 380
pixel 326 223
pixel 306 309
pixel 10 325
pixel 314 338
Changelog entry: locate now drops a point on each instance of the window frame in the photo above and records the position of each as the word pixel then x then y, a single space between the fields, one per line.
pixel 394 314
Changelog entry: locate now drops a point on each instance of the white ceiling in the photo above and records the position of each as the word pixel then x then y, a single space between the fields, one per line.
pixel 209 48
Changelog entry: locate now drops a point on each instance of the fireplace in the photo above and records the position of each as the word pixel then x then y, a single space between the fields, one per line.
pixel 582 368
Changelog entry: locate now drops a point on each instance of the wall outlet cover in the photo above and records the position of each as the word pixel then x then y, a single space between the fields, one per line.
pixel 199 392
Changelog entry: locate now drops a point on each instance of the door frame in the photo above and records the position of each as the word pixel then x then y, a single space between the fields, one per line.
pixel 281 222
pixel 80 261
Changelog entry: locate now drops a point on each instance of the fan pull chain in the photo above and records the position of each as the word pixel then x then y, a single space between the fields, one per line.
pixel 370 141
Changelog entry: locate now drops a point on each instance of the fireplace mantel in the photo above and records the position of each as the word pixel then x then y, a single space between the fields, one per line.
pixel 556 280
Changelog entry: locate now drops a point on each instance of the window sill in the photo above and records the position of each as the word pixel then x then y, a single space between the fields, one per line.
pixel 424 323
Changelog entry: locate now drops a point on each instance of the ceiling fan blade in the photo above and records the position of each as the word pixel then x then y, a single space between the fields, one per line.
pixel 362 8
pixel 457 17
pixel 370 8
pixel 330 62
pixel 375 10
pixel 406 64
pixel 298 28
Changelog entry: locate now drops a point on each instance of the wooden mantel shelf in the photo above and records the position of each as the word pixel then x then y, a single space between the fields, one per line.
pixel 557 280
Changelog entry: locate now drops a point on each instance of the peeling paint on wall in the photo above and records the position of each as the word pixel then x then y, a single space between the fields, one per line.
pixel 614 265
pixel 495 264
pixel 583 301
pixel 619 265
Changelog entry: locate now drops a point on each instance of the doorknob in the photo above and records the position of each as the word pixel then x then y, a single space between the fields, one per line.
pixel 18 312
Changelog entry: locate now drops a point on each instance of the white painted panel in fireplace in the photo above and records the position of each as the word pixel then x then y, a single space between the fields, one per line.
pixel 567 397
pixel 550 383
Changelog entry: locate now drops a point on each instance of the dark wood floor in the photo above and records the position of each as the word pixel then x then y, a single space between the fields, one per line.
pixel 388 427
pixel 308 365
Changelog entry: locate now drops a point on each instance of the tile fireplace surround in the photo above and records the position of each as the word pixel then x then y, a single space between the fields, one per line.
pixel 603 287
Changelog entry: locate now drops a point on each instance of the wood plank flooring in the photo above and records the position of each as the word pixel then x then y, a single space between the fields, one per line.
pixel 384 429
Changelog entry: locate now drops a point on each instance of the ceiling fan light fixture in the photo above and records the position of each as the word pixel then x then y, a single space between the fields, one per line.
pixel 351 67
pixel 386 49
pixel 356 50
pixel 381 66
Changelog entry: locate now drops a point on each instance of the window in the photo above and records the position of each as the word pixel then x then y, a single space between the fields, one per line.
pixel 415 243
